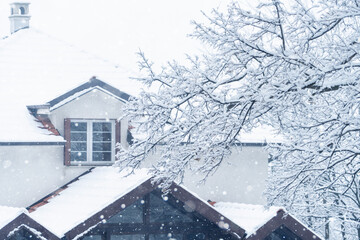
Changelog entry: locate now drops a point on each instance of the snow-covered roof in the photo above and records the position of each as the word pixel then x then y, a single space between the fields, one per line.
pixel 36 68
pixel 82 199
pixel 7 214
pixel 248 216
pixel 81 205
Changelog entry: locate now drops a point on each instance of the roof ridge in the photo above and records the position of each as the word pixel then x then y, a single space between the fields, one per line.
pixel 7 38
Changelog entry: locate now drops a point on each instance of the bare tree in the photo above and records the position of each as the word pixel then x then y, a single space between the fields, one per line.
pixel 293 65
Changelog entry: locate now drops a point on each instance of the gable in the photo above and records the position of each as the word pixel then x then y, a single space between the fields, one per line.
pixel 105 194
pixel 24 227
pixel 92 83
pixel 156 216
pixel 93 104
pixel 283 226
pixel 24 233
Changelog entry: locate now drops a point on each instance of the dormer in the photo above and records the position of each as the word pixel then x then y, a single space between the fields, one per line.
pixel 19 16
pixel 87 118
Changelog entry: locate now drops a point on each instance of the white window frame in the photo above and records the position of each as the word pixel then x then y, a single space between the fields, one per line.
pixel 89 142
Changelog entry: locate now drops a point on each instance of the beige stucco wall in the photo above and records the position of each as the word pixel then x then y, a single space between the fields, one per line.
pixel 240 178
pixel 92 105
pixel 28 173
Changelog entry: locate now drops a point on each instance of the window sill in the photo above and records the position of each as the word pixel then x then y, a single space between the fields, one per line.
pixel 86 164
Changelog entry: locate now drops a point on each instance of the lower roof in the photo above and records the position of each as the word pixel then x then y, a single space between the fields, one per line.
pixel 102 191
pixel 7 214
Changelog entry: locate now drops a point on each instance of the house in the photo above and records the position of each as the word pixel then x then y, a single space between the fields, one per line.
pixel 58 130
pixel 46 94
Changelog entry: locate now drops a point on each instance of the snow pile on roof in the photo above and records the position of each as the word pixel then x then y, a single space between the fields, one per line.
pixel 247 216
pixel 17 125
pixel 7 214
pixel 36 68
pixel 87 196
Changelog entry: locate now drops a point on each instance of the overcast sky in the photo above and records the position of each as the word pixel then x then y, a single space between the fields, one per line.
pixel 117 29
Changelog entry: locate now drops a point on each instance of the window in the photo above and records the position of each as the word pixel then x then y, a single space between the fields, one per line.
pixel 23 234
pixel 22 10
pixel 282 233
pixel 90 141
pixel 155 217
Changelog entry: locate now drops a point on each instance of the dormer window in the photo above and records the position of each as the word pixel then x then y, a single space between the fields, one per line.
pixel 90 141
pixel 22 10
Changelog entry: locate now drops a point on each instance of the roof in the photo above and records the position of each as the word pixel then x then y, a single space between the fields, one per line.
pixel 98 194
pixel 85 202
pixel 284 223
pixel 36 68
pixel 7 214
pixel 260 221
pixel 87 196
pixel 92 84
pixel 13 219
pixel 248 216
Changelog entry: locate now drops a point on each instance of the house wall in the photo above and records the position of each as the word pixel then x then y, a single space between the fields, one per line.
pixel 28 173
pixel 92 105
pixel 240 178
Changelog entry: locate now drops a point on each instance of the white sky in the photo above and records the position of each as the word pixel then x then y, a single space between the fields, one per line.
pixel 117 29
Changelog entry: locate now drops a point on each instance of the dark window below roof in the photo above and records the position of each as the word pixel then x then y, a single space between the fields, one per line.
pixel 23 234
pixel 156 217
pixel 282 233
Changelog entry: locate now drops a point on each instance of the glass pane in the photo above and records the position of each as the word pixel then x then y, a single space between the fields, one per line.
pixel 78 146
pixel 162 211
pixel 92 237
pixel 169 236
pixel 101 156
pixel 78 126
pixel 196 236
pixel 78 156
pixel 102 137
pixel 102 146
pixel 131 214
pixel 102 126
pixel 282 233
pixel 78 136
pixel 128 237
pixel 23 235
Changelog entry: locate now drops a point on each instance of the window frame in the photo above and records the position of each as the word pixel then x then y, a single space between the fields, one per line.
pixel 115 138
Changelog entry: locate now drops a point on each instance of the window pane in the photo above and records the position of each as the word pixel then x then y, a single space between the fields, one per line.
pixel 92 237
pixel 78 136
pixel 282 233
pixel 101 156
pixel 169 236
pixel 23 234
pixel 102 137
pixel 78 156
pixel 78 146
pixel 195 236
pixel 102 146
pixel 162 211
pixel 78 126
pixel 131 214
pixel 128 237
pixel 102 126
